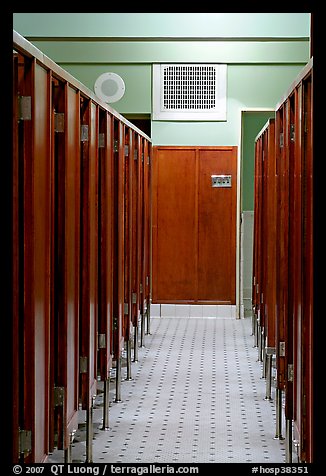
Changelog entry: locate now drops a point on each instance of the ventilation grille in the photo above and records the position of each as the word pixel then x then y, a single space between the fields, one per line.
pixel 189 92
pixel 189 87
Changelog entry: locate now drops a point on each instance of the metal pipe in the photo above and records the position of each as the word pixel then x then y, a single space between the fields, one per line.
pixel 128 359
pixel 148 317
pixel 106 405
pixel 136 343
pixel 288 440
pixel 142 330
pixel 278 434
pixel 89 434
pixel 268 377
pixel 118 381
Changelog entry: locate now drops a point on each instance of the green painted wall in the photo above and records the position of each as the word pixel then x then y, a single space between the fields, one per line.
pixel 264 53
pixel 166 25
pixel 252 123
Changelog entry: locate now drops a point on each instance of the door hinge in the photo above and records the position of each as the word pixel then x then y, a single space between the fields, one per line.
pixel 147 280
pixel 101 341
pixel 292 133
pixel 134 298
pixel 83 365
pixel 126 308
pixel 281 349
pixel 262 298
pixel 116 146
pixel 290 372
pixel 140 287
pixel 101 140
pixel 58 396
pixel 126 150
pixel 281 139
pixel 115 323
pixel 25 442
pixel 84 133
pixel 135 154
pixel 25 108
pixel 59 122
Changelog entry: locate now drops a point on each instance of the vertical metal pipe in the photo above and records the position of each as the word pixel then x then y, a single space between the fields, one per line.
pixel 106 405
pixel 129 360
pixel 268 377
pixel 259 344
pixel 89 434
pixel 68 451
pixel 148 318
pixel 142 330
pixel 264 357
pixel 118 381
pixel 288 440
pixel 278 434
pixel 253 322
pixel 136 343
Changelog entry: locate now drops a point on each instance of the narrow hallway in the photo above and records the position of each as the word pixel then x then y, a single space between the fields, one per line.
pixel 197 396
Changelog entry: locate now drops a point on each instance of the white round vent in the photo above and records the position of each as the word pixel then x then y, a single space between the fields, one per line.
pixel 109 87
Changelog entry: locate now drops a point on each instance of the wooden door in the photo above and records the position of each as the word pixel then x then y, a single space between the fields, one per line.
pixel 194 225
pixel 66 260
pixel 105 243
pixel 32 266
pixel 89 253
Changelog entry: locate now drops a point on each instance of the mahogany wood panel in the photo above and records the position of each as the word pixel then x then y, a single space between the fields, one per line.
pixel 174 225
pixel 118 278
pixel 105 242
pixel 216 226
pixel 194 228
pixel 141 223
pixel 270 243
pixel 129 150
pixel 135 232
pixel 16 233
pixel 89 250
pixel 36 203
pixel 66 259
pixel 281 242
pixel 147 222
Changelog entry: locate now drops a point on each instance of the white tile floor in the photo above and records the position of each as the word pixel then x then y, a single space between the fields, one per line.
pixel 197 396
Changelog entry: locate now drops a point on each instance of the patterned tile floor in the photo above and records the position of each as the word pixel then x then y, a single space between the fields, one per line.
pixel 196 396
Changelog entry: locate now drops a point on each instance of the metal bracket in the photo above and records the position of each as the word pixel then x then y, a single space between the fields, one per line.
pixel 25 441
pixel 59 122
pixel 281 349
pixel 58 396
pixel 290 372
pixel 25 108
pixel 115 323
pixel 126 308
pixel 84 133
pixel 116 146
pixel 281 139
pixel 292 133
pixel 83 365
pixel 101 140
pixel 101 341
pixel 126 150
pixel 135 154
pixel 134 298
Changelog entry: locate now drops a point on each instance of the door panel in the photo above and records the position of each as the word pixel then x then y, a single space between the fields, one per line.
pixel 216 227
pixel 194 225
pixel 176 239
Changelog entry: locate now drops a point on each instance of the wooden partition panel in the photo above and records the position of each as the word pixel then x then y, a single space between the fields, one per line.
pixel 194 225
pixel 89 252
pixel 35 260
pixel 118 279
pixel 128 153
pixel 147 222
pixel 141 223
pixel 282 245
pixel 105 243
pixel 135 232
pixel 66 259
pixel 16 267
